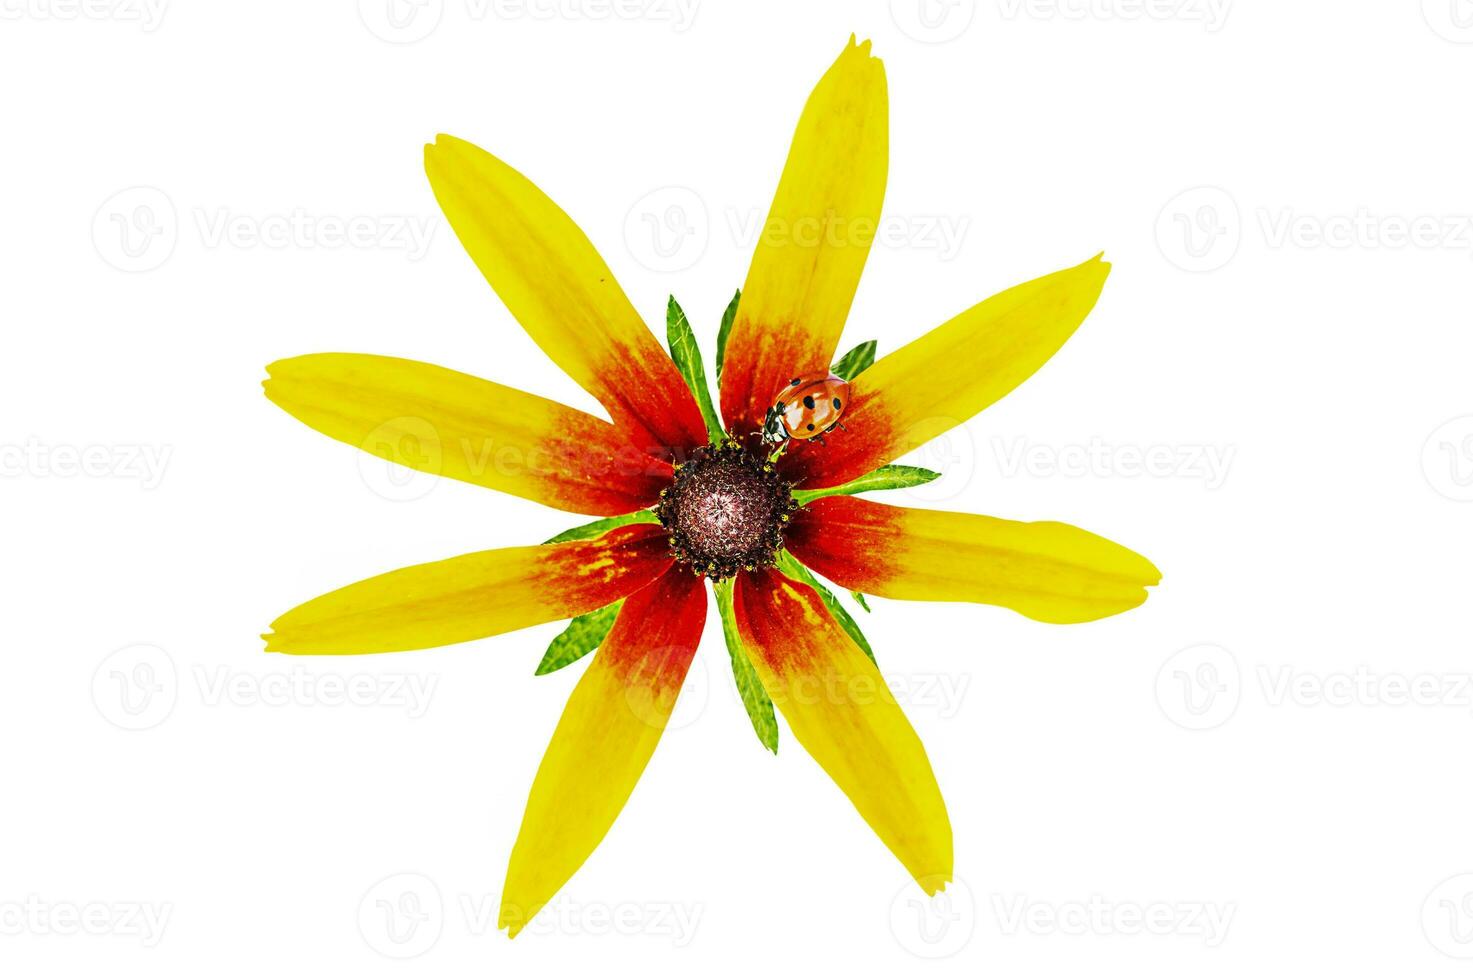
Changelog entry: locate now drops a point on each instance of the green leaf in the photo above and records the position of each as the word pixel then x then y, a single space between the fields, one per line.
pixel 592 530
pixel 727 319
pixel 749 685
pixel 855 361
pixel 859 598
pixel 687 356
pixel 890 477
pixel 582 636
pixel 793 568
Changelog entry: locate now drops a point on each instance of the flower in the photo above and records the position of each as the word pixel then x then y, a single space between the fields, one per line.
pixel 699 497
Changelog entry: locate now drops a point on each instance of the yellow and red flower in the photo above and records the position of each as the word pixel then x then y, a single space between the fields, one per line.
pixel 683 497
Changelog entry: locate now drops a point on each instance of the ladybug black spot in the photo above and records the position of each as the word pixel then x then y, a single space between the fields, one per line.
pixel 836 403
pixel 810 426
pixel 808 401
pixel 796 382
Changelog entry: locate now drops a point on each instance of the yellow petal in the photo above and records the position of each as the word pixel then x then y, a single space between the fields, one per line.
pixel 452 424
pixel 474 595
pixel 843 714
pixel 946 376
pixel 813 247
pixel 1047 571
pixel 607 733
pixel 552 279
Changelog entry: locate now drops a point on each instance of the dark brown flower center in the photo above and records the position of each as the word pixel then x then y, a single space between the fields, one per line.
pixel 726 511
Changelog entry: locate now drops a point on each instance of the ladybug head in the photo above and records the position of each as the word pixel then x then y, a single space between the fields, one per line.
pixel 772 427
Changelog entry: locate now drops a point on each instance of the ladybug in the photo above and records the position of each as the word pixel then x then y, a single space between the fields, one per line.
pixel 806 408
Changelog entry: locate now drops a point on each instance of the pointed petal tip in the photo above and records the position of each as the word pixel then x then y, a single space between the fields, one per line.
pixel 1139 567
pixel 286 369
pixel 438 151
pixel 271 384
pixel 934 884
pixel 513 917
pixel 860 52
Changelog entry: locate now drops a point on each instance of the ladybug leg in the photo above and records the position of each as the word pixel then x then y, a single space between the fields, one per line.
pixel 841 426
pixel 819 437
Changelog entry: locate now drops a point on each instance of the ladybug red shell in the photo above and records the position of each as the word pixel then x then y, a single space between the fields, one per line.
pixel 806 408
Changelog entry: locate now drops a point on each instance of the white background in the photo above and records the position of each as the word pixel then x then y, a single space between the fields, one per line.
pixel 1283 190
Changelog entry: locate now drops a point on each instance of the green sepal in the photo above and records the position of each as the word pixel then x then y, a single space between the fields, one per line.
pixel 749 685
pixel 857 360
pixel 686 354
pixel 581 637
pixel 594 528
pixel 727 319
pixel 793 568
pixel 892 477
